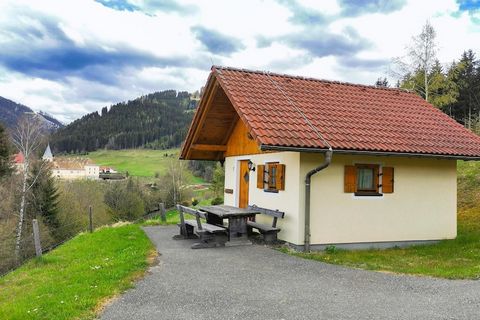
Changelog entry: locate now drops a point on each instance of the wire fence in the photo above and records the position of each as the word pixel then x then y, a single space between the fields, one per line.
pixel 35 243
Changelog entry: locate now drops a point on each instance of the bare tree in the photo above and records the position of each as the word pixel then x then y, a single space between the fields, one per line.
pixel 27 137
pixel 421 56
pixel 176 180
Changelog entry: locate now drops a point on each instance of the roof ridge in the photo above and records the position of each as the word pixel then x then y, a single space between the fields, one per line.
pixel 290 76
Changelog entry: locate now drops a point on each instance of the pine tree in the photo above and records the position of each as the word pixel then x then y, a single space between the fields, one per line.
pixel 44 196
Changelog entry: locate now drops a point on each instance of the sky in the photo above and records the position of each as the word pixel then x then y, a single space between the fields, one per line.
pixel 69 58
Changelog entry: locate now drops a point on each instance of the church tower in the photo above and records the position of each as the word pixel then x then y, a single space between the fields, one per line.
pixel 47 155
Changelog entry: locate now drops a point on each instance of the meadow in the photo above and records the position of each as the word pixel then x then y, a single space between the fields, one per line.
pixel 137 162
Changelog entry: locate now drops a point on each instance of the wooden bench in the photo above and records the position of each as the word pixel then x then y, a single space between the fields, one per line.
pixel 269 232
pixel 210 235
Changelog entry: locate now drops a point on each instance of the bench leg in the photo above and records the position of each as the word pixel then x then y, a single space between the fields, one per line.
pixel 189 234
pixel 270 237
pixel 209 240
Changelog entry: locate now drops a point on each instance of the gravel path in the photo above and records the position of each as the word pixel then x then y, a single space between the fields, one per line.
pixel 255 282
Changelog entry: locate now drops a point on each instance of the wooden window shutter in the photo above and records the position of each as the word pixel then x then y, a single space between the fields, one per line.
pixel 387 180
pixel 350 181
pixel 280 177
pixel 260 176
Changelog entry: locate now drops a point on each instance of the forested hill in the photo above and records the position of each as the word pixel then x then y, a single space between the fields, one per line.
pixel 157 120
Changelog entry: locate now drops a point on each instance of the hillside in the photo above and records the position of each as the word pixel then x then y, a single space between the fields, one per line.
pixel 158 120
pixel 137 162
pixel 11 111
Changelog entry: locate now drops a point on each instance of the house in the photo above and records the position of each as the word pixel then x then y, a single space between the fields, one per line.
pixel 107 170
pixel 75 168
pixel 19 161
pixel 71 168
pixel 351 165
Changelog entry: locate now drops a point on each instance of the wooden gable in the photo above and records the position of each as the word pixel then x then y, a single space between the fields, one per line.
pixel 217 130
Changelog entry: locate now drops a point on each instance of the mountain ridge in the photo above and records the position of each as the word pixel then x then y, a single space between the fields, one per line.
pixel 11 111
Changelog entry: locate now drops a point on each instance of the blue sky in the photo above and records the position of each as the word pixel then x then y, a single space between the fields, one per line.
pixel 73 57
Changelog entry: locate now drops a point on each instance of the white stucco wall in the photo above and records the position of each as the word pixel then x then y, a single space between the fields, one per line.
pixel 423 206
pixel 92 171
pixel 287 200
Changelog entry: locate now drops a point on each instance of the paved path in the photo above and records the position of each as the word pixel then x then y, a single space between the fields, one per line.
pixel 256 282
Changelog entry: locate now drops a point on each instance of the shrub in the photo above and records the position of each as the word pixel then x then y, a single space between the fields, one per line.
pixel 331 249
pixel 217 201
pixel 124 203
pixel 185 203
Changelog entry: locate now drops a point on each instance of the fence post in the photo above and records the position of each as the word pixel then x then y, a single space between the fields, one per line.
pixel 36 238
pixel 161 208
pixel 90 219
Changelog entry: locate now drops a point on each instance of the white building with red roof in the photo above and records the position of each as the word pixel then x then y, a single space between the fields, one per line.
pixel 71 168
pixel 350 165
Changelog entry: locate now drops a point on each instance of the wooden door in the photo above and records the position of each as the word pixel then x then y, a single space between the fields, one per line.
pixel 243 186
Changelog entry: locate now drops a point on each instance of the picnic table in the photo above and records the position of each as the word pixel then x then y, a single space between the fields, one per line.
pixel 237 221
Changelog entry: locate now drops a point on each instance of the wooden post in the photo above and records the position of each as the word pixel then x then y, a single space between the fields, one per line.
pixel 90 219
pixel 36 238
pixel 161 208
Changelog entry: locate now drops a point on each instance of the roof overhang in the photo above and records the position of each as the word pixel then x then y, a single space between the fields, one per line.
pixel 212 125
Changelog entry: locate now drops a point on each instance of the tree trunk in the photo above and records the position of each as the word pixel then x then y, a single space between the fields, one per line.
pixel 21 217
pixel 426 84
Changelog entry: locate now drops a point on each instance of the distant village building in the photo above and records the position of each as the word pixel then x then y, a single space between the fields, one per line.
pixel 47 155
pixel 71 168
pixel 19 161
pixel 66 168
pixel 107 170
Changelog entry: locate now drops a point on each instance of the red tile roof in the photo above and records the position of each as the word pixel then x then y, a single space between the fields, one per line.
pixel 19 158
pixel 286 111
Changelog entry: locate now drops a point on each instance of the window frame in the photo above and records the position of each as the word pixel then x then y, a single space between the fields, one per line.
pixel 375 191
pixel 269 177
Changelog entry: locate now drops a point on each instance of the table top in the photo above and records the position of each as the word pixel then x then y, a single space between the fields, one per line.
pixel 224 211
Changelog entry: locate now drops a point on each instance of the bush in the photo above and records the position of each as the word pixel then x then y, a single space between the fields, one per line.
pixel 331 249
pixel 124 203
pixel 217 201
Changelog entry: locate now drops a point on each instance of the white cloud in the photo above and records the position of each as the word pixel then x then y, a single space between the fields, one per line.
pixel 184 59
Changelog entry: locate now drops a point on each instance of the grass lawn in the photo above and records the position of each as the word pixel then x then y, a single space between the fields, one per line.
pixel 138 162
pixel 72 281
pixel 452 259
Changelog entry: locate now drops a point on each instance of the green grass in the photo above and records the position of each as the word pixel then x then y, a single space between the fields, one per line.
pixel 172 218
pixel 72 281
pixel 138 162
pixel 452 259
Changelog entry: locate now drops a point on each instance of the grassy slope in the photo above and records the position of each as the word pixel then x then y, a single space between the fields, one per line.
pixel 454 259
pixel 71 281
pixel 138 162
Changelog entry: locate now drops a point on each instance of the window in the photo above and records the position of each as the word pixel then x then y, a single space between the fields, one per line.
pixel 271 177
pixel 368 180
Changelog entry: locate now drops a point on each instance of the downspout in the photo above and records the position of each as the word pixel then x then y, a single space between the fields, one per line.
pixel 308 178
